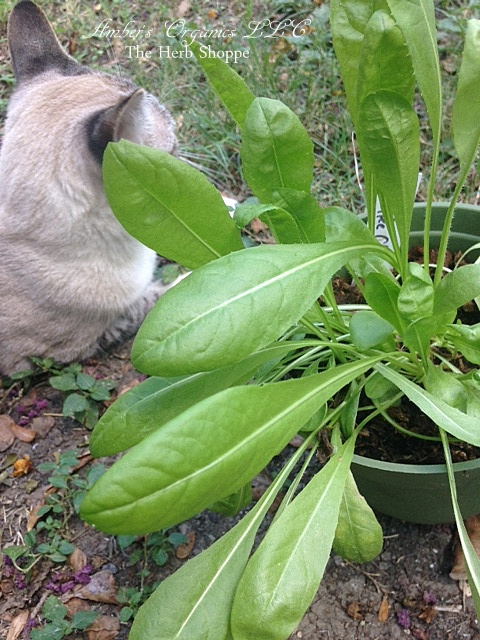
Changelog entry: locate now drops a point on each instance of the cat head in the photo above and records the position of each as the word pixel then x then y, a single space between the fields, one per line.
pixel 109 107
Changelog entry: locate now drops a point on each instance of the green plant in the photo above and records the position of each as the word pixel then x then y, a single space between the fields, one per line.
pixel 58 626
pixel 46 539
pixel 154 551
pixel 84 393
pixel 242 355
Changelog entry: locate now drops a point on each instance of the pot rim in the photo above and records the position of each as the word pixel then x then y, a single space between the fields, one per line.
pixel 402 467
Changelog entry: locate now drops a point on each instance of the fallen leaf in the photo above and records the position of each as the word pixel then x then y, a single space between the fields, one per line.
pixel 17 625
pixel 42 425
pixel 472 525
pixel 74 605
pixel 101 588
pixel 22 433
pixel 419 634
pixel 77 559
pixel 353 610
pixel 6 434
pixel 103 628
pixel 212 14
pixel 383 610
pixel 185 549
pixel 22 466
pixel 428 614
pixel 183 8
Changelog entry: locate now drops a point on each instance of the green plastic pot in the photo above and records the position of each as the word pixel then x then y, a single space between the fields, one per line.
pixel 414 492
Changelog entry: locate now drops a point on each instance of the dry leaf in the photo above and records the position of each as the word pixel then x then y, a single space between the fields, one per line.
pixel 42 425
pixel 32 516
pixel 74 605
pixel 383 610
pixel 103 628
pixel 6 434
pixel 428 614
pixel 353 610
pixel 17 625
pixel 101 588
pixel 22 466
pixel 472 526
pixel 183 8
pixel 22 433
pixel 185 549
pixel 212 14
pixel 77 560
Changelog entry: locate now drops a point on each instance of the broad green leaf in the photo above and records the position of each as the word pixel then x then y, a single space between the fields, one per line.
pixel 195 601
pixel 208 452
pixel 306 211
pixel 466 106
pixel 283 575
pixel 416 297
pixel 236 305
pixel 167 204
pixel 233 503
pixel 472 561
pixel 455 422
pixel 367 330
pixel 276 150
pixel 457 288
pixel 379 389
pixel 445 386
pixel 358 536
pixel 280 222
pixel 342 225
pixel 145 408
pixel 385 62
pixel 467 340
pixel 381 292
pixel 390 133
pixel 226 83
pixel 74 403
pixel 416 19
pixel 349 19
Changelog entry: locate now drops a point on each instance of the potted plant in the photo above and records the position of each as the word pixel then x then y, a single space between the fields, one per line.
pixel 242 356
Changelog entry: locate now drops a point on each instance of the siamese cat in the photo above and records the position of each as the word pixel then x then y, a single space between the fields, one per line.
pixel 72 281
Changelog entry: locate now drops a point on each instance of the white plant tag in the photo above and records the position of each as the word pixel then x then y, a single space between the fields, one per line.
pixel 381 231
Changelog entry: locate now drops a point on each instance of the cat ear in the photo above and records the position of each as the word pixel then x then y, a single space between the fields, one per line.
pixel 34 47
pixel 127 119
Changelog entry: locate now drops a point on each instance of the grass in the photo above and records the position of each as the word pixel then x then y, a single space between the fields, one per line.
pixel 301 71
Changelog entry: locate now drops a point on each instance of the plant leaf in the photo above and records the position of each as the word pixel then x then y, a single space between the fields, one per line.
pixel 226 84
pixel 466 106
pixel 381 292
pixel 167 205
pixel 228 437
pixel 455 422
pixel 467 340
pixel 283 575
pixel 416 19
pixel 384 62
pixel 367 329
pixel 276 150
pixel 308 215
pixel 472 561
pixel 236 305
pixel 145 408
pixel 457 288
pixel 195 601
pixel 390 133
pixel 358 536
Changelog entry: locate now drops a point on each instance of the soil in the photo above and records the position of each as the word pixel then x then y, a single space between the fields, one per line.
pixel 408 584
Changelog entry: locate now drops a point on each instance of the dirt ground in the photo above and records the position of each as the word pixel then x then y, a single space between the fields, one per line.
pixel 406 591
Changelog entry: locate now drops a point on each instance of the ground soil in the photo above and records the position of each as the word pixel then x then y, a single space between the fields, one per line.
pixel 410 578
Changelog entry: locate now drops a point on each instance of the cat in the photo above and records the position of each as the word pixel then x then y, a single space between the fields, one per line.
pixel 72 281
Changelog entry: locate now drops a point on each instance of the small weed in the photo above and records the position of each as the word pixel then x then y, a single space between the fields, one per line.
pixel 153 552
pixel 57 625
pixel 45 540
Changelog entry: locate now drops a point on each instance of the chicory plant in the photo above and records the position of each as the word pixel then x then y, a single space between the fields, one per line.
pixel 220 347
